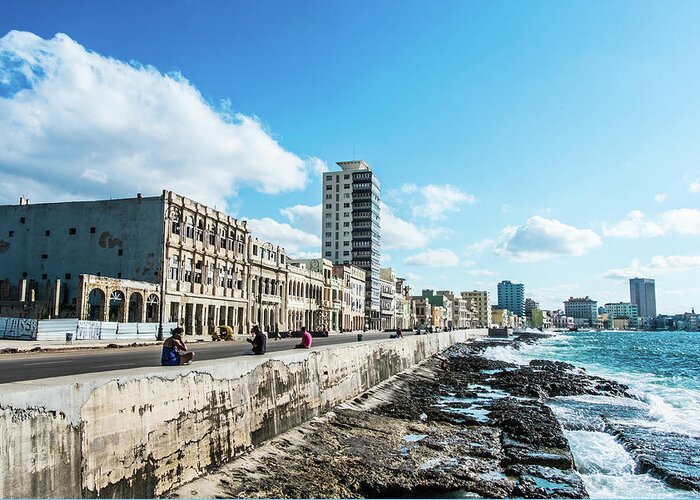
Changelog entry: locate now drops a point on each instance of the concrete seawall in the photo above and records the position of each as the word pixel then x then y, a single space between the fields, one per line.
pixel 139 433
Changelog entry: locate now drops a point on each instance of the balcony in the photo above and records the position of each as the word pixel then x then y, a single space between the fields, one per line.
pixel 271 299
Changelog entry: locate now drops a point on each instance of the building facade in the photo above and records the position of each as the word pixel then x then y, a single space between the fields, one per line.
pixel 387 279
pixel 511 296
pixel 643 294
pixel 304 296
pixel 481 301
pixel 623 311
pixel 351 227
pixel 584 310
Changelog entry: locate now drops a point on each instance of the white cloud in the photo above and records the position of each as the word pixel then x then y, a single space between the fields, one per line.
pixel 400 234
pixel 658 265
pixel 384 259
pixel 682 221
pixel 540 239
pixel 408 188
pixel 292 239
pixel 433 258
pixel 660 197
pixel 437 201
pixel 306 217
pixel 76 124
pixel 694 187
pixel 636 224
pixel 481 246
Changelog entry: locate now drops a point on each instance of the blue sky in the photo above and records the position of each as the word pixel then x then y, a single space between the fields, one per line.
pixel 550 143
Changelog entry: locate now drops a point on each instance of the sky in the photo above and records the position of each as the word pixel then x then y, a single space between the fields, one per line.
pixel 555 144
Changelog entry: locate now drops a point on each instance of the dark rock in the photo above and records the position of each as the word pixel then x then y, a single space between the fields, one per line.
pixel 665 455
pixel 9 350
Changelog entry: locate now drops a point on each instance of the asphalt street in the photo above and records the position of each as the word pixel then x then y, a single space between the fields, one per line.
pixel 41 365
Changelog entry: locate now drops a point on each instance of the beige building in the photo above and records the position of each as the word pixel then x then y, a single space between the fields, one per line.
pixel 387 307
pixel 353 295
pixel 481 301
pixel 304 296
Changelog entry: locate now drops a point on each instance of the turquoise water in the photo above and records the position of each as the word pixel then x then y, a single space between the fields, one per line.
pixel 607 435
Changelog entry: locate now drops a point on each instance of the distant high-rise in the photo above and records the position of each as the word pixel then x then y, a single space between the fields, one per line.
pixel 511 296
pixel 350 231
pixel 643 294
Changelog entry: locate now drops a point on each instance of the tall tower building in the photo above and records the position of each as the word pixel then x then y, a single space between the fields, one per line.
pixel 643 294
pixel 350 230
pixel 511 296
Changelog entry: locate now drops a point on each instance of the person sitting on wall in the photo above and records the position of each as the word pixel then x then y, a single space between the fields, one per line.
pixel 305 339
pixel 399 333
pixel 175 350
pixel 259 341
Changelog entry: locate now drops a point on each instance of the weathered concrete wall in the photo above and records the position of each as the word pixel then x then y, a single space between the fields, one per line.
pixel 139 433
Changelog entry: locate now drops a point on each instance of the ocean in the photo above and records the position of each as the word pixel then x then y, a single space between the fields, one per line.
pixel 615 441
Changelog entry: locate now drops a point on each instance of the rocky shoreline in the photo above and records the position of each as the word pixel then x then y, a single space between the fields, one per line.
pixel 458 426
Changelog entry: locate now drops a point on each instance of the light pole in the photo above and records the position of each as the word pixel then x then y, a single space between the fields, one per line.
pixel 174 213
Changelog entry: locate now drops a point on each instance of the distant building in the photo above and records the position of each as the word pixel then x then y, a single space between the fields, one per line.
pixel 643 294
pixel 350 231
pixel 583 310
pixel 481 301
pixel 511 296
pixel 387 280
pixel 441 308
pixel 622 311
pixel 530 305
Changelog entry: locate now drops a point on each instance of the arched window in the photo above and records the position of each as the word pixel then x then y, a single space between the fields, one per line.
pixel 189 227
pixel 96 303
pixel 135 307
pixel 152 303
pixel 116 306
pixel 175 223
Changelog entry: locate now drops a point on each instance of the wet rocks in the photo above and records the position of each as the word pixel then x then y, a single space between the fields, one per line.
pixel 547 379
pixel 665 455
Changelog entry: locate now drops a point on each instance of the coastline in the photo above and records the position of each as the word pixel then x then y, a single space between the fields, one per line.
pixel 458 425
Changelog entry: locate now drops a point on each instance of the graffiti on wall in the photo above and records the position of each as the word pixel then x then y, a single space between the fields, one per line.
pixel 18 328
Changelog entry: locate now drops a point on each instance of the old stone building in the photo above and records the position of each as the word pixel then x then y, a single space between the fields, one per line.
pixel 304 296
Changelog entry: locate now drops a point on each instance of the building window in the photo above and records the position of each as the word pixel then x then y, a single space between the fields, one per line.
pixel 329 224
pixel 44 256
pixel 120 252
pixel 346 224
pixel 67 276
pixel 10 234
pixel 24 274
pixel 72 230
pixel 44 276
pixel 200 231
pixel 346 205
pixel 328 243
pixel 346 186
pixel 329 205
pixel 92 230
pixel 22 220
pixel 47 233
pixel 119 275
pixel 174 267
pixel 328 254
pixel 329 196
pixel 255 249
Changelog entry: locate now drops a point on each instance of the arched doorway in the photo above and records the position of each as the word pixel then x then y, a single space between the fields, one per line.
pixel 116 306
pixel 96 303
pixel 135 308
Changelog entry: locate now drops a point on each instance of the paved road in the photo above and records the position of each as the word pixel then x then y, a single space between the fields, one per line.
pixel 40 365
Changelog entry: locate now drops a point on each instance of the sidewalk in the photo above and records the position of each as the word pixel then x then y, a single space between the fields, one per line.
pixel 24 346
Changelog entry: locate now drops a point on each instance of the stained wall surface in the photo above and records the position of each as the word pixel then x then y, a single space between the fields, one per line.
pixel 139 433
